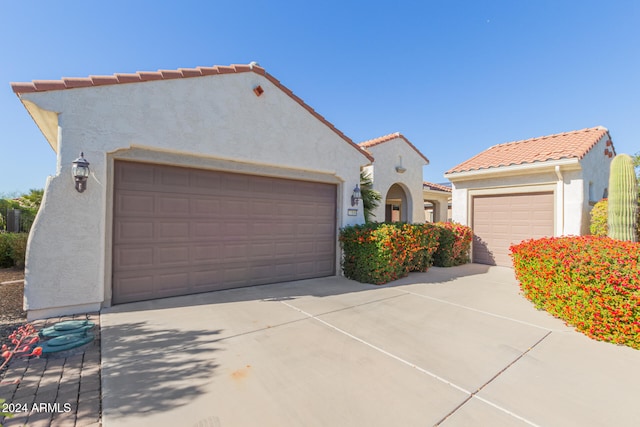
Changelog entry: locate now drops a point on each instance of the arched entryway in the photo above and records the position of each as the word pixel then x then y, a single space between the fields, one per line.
pixel 396 204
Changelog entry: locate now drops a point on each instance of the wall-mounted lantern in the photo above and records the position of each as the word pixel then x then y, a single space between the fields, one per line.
pixel 80 172
pixel 357 195
pixel 400 168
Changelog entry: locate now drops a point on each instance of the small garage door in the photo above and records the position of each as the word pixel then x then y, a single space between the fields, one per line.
pixel 501 220
pixel 180 231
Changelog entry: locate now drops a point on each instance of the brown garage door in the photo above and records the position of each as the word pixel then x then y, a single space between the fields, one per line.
pixel 501 220
pixel 180 231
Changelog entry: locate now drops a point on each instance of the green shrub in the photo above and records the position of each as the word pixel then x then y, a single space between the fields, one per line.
pixel 593 283
pixel 599 213
pixel 454 244
pixel 5 248
pixel 599 219
pixel 381 252
pixel 13 247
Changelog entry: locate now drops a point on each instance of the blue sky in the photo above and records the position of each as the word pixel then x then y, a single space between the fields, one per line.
pixel 455 77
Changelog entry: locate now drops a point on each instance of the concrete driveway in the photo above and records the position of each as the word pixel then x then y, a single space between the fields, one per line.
pixel 452 347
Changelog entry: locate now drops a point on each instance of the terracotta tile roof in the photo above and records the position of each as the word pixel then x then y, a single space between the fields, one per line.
pixel 437 187
pixel 386 138
pixel 181 73
pixel 560 146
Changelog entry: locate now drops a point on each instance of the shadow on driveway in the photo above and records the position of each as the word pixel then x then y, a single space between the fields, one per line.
pixel 164 368
pixel 318 287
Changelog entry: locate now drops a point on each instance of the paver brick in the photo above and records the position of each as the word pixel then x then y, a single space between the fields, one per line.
pixel 39 419
pixel 89 384
pixel 17 420
pixel 72 380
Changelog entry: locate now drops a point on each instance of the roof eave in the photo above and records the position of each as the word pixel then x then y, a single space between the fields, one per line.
pixel 512 170
pixel 49 127
pixel 47 122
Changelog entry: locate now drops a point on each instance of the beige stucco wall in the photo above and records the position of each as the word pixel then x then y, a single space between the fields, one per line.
pixel 595 166
pixel 212 122
pixel 387 156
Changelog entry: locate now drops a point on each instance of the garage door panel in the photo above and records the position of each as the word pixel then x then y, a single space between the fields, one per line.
pixel 165 283
pixel 236 183
pixel 237 206
pixel 133 231
pixel 204 182
pixel 143 176
pixel 262 230
pixel 196 231
pixel 173 256
pixel 134 288
pixel 172 230
pixel 171 205
pixel 206 252
pixel 134 258
pixel 498 221
pixel 263 208
pixel 206 279
pixel 205 230
pixel 135 204
pixel 173 177
pixel 205 206
pixel 323 210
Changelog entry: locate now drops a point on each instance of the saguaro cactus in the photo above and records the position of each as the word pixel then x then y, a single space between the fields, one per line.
pixel 623 199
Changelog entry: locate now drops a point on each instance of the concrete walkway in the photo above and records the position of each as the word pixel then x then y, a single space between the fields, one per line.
pixel 450 347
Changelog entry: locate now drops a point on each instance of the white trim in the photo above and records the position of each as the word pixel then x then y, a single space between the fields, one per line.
pixel 559 206
pixel 524 169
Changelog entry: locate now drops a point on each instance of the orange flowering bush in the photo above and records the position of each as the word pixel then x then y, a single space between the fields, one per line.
pixel 379 253
pixel 455 244
pixel 591 282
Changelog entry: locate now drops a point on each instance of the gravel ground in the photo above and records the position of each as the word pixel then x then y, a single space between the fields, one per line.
pixel 11 314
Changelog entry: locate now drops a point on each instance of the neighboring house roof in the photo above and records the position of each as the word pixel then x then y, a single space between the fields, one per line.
pixel 181 73
pixel 435 187
pixel 386 138
pixel 568 145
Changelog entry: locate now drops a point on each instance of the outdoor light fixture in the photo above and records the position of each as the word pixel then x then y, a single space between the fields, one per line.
pixel 80 172
pixel 400 168
pixel 357 195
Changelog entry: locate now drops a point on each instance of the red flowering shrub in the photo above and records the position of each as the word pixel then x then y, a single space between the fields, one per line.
pixel 593 283
pixel 455 244
pixel 379 253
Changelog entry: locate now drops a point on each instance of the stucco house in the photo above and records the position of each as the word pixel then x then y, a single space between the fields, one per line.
pixel 397 176
pixel 200 179
pixel 526 189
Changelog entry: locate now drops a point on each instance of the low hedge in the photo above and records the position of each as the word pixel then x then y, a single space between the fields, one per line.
pixel 591 282
pixel 13 247
pixel 381 252
pixel 454 244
